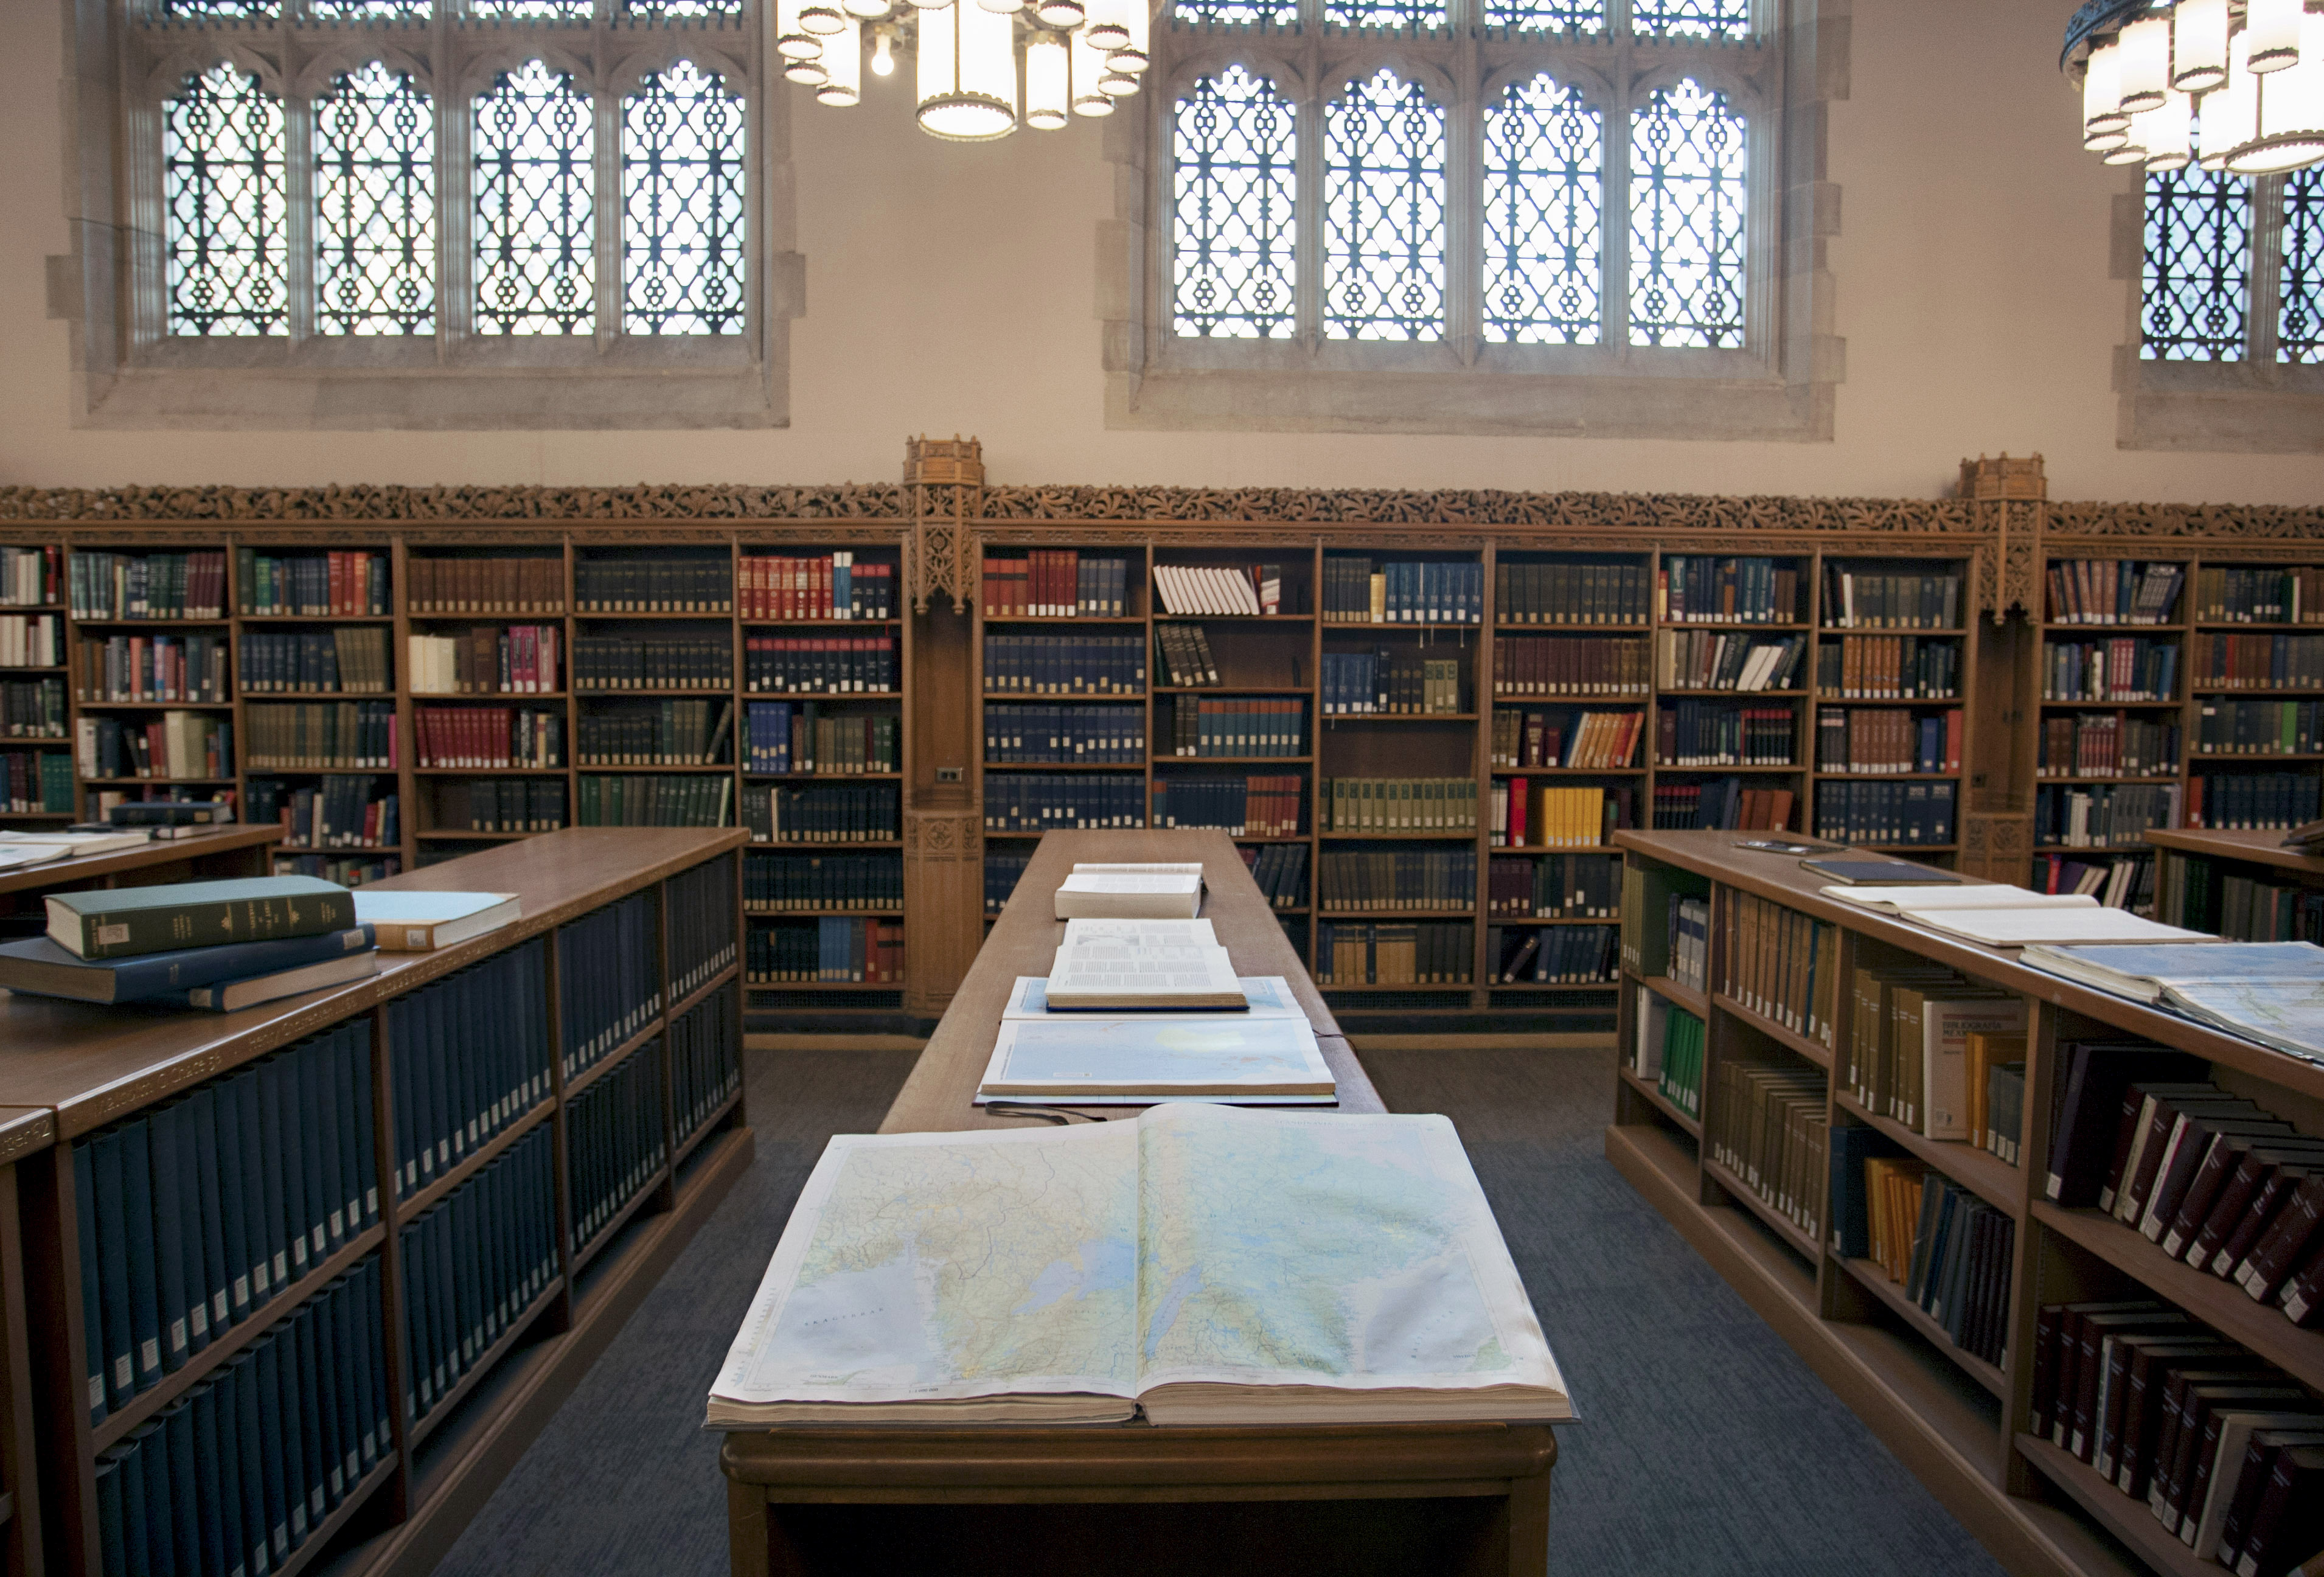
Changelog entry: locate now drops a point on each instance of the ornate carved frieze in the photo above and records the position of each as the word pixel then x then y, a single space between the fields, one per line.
pixel 850 500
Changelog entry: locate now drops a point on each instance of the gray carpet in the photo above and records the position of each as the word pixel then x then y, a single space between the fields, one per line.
pixel 1706 1446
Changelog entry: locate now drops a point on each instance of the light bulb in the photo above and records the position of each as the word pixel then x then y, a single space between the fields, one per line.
pixel 2102 91
pixel 2199 45
pixel 2145 64
pixel 883 52
pixel 2273 26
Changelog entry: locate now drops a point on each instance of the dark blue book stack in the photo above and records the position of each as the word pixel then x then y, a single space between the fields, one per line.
pixel 1884 813
pixel 469 1057
pixel 201 1212
pixel 1002 871
pixel 245 1469
pixel 701 911
pixel 706 1062
pixel 1064 665
pixel 825 881
pixel 1110 736
pixel 1040 802
pixel 473 1266
pixel 606 981
pixel 822 813
pixel 615 1141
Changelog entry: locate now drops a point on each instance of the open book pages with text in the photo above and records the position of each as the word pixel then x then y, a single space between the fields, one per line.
pixel 1156 1055
pixel 1897 901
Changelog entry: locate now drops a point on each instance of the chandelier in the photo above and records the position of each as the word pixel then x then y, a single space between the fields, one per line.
pixel 2233 85
pixel 985 66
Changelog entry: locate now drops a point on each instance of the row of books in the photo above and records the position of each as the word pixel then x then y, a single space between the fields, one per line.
pixel 321 736
pixel 1570 594
pixel 2286 595
pixel 494 804
pixel 1920 1038
pixel 1354 879
pixel 1858 739
pixel 32 640
pixel 823 882
pixel 32 577
pixel 702 584
pixel 1782 965
pixel 174 745
pixel 788 589
pixel 344 869
pixel 699 924
pixel 467 1060
pixel 616 1140
pixel 195 1214
pixel 1017 734
pixel 1886 813
pixel 32 708
pixel 2107 744
pixel 1256 807
pixel 1947 1248
pixel 2113 591
pixel 1254 589
pixel 1552 954
pixel 860 813
pixel 487 659
pixel 2257 662
pixel 1570 665
pixel 795 736
pixel 1397 804
pixel 1889 599
pixel 1280 870
pixel 835 950
pixel 2200 895
pixel 2245 801
pixel 465 738
pixel 1361 591
pixel 1380 952
pixel 1039 802
pixel 2226 1450
pixel 1712 734
pixel 1183 657
pixel 342 584
pixel 1704 660
pixel 244 1470
pixel 1056 584
pixel 150 667
pixel 1687 961
pixel 823 665
pixel 477 1261
pixel 650 799
pixel 666 734
pixel 1555 887
pixel 1728 591
pixel 1002 870
pixel 607 986
pixel 1064 665
pixel 1243 725
pixel 440 586
pixel 706 1062
pixel 2119 882
pixel 1598 741
pixel 1669 1049
pixel 334 813
pixel 36 782
pixel 2128 668
pixel 149 585
pixel 1726 802
pixel 1765 1122
pixel 667 662
pixel 2258 728
pixel 1525 814
pixel 348 657
pixel 2114 817
pixel 1888 668
pixel 1396 681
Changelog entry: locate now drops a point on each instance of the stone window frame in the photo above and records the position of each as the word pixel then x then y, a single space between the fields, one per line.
pixel 1780 386
pixel 122 60
pixel 2252 406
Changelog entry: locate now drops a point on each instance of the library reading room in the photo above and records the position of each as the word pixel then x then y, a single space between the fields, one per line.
pixel 1320 788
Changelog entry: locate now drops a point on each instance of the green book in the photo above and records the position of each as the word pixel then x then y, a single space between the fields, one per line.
pixel 123 922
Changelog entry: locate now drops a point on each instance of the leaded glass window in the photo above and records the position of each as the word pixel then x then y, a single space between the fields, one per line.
pixel 1385 12
pixel 1238 12
pixel 682 188
pixel 1548 15
pixel 535 205
pixel 1234 253
pixel 209 8
pixel 1383 212
pixel 573 10
pixel 659 8
pixel 2300 335
pixel 1689 169
pixel 374 206
pixel 1691 18
pixel 2198 274
pixel 1544 191
pixel 364 10
pixel 225 207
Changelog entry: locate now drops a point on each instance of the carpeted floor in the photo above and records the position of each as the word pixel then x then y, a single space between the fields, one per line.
pixel 1705 1446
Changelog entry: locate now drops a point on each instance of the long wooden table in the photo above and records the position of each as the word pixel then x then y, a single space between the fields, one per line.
pixel 1344 1501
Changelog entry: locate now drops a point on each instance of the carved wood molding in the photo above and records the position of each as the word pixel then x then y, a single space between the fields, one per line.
pixel 498 505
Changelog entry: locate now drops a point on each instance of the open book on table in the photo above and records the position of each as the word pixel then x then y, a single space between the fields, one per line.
pixel 2269 991
pixel 1205 1264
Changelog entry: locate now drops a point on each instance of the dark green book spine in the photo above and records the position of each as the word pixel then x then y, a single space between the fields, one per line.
pixel 126 933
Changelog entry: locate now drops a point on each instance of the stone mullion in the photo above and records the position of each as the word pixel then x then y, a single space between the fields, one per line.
pixel 1464 194
pixel 1309 283
pixel 454 119
pixel 606 203
pixel 1614 196
pixel 2263 318
pixel 299 216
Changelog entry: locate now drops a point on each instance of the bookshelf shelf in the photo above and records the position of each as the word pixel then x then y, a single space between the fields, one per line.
pixel 1398 914
pixel 1669 991
pixel 652 692
pixel 772 912
pixel 1798 1241
pixel 2126 1519
pixel 592 616
pixel 426 1197
pixel 1337 627
pixel 494 697
pixel 2057 629
pixel 1738 770
pixel 156 706
pixel 1229 690
pixel 315 618
pixel 1660 1101
pixel 2051 702
pixel 1409 985
pixel 630 768
pixel 1583 771
pixel 2236 756
pixel 145 782
pixel 18 672
pixel 1790 1039
pixel 489 772
pixel 1552 920
pixel 1520 628
pixel 817 777
pixel 1232 761
pixel 1553 985
pixel 1247 620
pixel 1981 1172
pixel 1051 621
pixel 1914 778
pixel 1397 837
pixel 1891 1296
pixel 448 1403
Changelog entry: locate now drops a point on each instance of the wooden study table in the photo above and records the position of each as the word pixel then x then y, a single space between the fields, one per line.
pixel 1032 1502
pixel 232 851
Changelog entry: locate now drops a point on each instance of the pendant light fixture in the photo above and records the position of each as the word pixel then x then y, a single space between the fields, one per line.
pixel 983 67
pixel 2236 85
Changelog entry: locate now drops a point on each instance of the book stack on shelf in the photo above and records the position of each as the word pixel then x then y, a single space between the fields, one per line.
pixel 1893 662
pixel 36 770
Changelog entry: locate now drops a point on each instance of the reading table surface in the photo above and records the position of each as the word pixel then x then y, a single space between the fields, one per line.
pixel 246 851
pixel 2253 848
pixel 1343 1500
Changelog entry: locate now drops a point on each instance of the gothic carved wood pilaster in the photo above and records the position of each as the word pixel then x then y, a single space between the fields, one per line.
pixel 943 892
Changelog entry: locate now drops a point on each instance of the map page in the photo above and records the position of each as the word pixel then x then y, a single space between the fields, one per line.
pixel 1213 1053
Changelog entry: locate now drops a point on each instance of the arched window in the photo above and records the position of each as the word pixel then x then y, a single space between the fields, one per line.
pixel 536 204
pixel 374 206
pixel 682 243
pixel 1234 264
pixel 1383 212
pixel 1544 215
pixel 1689 167
pixel 225 205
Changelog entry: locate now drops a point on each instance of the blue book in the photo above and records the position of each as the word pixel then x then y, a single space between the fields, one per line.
pixel 41 966
pixel 402 1154
pixel 340 1331
pixel 92 1296
pixel 137 1238
pixel 214 1488
pixel 208 1188
pixel 272 1157
pixel 112 1211
pixel 129 1469
pixel 189 1518
pixel 273 1459
pixel 257 1225
pixel 371 1363
pixel 419 1338
pixel 315 1414
pixel 346 1202
pixel 248 1426
pixel 112 1543
pixel 318 1136
pixel 1851 1225
pixel 163 1125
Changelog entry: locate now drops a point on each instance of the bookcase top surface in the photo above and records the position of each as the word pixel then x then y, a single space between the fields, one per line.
pixel 89 1064
pixel 58 873
pixel 2253 847
pixel 940 1096
pixel 24 1129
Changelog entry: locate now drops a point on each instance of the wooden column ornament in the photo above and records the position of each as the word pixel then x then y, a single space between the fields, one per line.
pixel 946 480
pixel 2008 501
pixel 943 835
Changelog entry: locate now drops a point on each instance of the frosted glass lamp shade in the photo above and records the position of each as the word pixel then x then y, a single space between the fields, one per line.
pixel 1089 71
pixel 967 74
pixel 2273 26
pixel 2102 91
pixel 1062 15
pixel 822 17
pixel 2290 112
pixel 2166 134
pixel 807 73
pixel 1138 53
pixel 2145 64
pixel 2199 45
pixel 1004 7
pixel 793 42
pixel 868 10
pixel 2231 116
pixel 1048 82
pixel 842 58
pixel 1109 24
